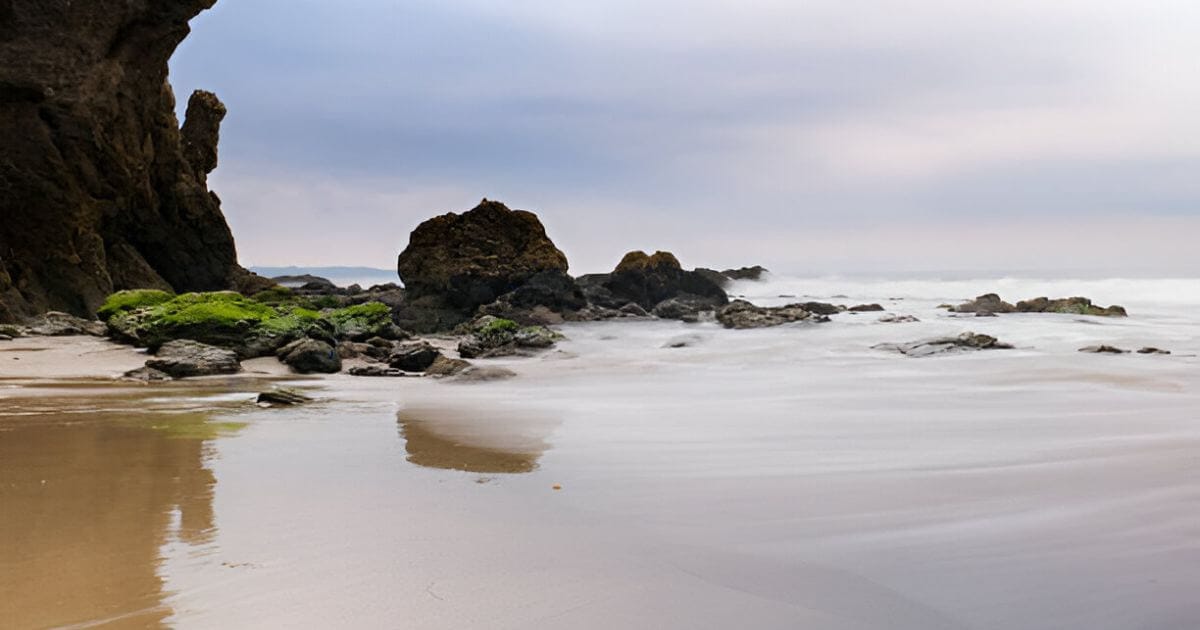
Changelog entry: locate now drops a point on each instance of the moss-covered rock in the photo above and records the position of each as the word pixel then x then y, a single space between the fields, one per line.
pixel 246 325
pixel 364 321
pixel 496 337
pixel 125 301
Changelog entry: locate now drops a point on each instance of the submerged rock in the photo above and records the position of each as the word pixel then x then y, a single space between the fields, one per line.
pixel 741 314
pixel 1153 350
pixel 898 319
pixel 146 375
pixel 282 397
pixel 683 341
pixel 484 373
pixel 966 342
pixel 1103 349
pixel 310 355
pixel 183 358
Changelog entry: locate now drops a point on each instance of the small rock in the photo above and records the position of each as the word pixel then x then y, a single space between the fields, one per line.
pixel 282 397
pixel 380 342
pixel 944 345
pixel 445 366
pixel 56 324
pixel 146 375
pixel 898 319
pixel 865 308
pixel 1153 350
pixel 4 337
pixel 182 358
pixel 821 308
pixel 375 370
pixel 536 337
pixel 633 309
pixel 1103 349
pixel 683 341
pixel 309 355
pixel 483 373
pixel 413 357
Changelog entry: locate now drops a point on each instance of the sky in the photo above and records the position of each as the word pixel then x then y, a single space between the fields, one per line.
pixel 820 136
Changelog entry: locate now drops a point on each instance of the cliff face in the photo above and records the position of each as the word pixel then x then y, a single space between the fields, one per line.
pixel 99 188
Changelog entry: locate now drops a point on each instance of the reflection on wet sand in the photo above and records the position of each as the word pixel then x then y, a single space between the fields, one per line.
pixel 502 441
pixel 87 500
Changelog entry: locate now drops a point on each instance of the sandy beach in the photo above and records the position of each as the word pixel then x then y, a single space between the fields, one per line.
pixel 771 479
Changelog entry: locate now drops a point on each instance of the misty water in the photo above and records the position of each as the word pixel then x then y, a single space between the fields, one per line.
pixel 777 478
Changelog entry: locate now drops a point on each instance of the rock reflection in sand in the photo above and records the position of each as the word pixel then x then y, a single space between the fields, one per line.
pixel 90 496
pixel 474 439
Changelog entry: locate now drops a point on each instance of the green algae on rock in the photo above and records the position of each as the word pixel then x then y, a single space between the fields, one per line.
pixel 247 326
pixel 131 300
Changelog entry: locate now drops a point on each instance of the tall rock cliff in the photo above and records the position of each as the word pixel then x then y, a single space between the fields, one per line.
pixel 100 189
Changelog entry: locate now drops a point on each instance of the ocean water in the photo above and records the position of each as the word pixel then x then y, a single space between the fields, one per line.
pixel 776 478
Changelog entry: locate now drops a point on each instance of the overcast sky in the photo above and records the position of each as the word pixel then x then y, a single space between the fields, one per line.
pixel 809 136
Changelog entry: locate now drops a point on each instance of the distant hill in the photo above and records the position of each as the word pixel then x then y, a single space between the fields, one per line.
pixel 324 272
pixel 341 276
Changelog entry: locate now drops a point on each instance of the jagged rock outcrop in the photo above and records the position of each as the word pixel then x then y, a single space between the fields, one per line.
pixel 1071 306
pixel 724 278
pixel 647 280
pixel 100 190
pixel 740 314
pixel 986 303
pixel 991 303
pixel 455 263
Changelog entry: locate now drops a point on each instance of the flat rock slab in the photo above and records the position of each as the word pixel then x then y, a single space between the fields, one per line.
pixel 183 358
pixel 966 342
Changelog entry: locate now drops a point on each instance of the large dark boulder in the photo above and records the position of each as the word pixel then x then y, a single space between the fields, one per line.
pixel 100 190
pixel 544 299
pixel 456 263
pixel 648 280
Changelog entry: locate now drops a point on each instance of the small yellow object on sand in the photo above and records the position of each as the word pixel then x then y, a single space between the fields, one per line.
pixel 557 486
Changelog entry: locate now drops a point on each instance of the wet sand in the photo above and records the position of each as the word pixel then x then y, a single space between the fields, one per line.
pixel 768 480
